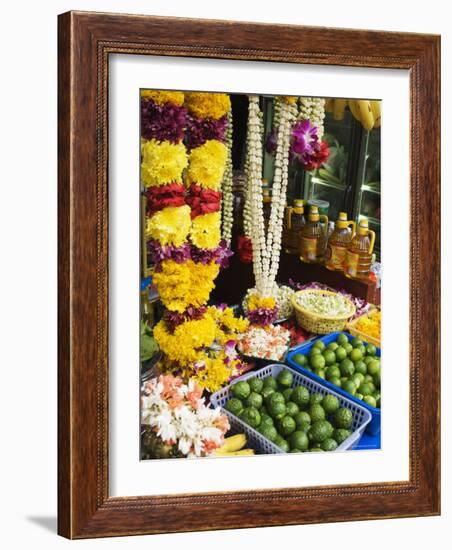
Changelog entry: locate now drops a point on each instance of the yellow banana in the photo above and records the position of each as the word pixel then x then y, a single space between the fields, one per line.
pixel 376 111
pixel 352 103
pixel 241 452
pixel 329 105
pixel 233 443
pixel 339 108
pixel 365 113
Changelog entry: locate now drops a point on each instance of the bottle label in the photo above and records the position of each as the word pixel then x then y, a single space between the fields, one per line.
pixel 352 263
pixel 336 256
pixel 309 248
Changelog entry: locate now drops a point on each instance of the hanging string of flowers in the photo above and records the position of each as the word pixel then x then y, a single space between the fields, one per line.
pixel 198 342
pixel 267 247
pixel 228 197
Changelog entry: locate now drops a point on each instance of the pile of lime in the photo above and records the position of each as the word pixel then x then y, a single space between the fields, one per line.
pixel 352 366
pixel 290 417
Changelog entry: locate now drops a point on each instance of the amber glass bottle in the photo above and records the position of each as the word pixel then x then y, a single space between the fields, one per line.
pixel 295 221
pixel 339 242
pixel 312 239
pixel 359 254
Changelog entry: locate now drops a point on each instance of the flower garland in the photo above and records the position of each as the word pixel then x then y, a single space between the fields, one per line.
pixel 267 247
pixel 178 416
pixel 226 187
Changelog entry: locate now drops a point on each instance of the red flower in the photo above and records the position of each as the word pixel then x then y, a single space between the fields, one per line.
pixel 163 196
pixel 316 159
pixel 245 249
pixel 202 201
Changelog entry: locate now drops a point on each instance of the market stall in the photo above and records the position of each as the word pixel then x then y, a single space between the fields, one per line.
pixel 260 291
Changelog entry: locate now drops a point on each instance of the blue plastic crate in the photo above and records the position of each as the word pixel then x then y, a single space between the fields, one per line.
pixel 374 426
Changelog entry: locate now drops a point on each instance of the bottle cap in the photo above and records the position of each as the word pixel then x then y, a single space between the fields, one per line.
pixel 314 214
pixel 342 221
pixel 363 226
pixel 298 206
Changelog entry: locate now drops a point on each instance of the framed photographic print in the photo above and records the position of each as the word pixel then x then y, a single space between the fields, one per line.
pixel 248 275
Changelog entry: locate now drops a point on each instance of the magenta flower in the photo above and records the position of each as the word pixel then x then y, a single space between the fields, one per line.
pixel 200 130
pixel 162 122
pixel 304 139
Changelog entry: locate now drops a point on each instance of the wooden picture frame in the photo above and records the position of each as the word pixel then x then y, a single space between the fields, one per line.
pixel 85 42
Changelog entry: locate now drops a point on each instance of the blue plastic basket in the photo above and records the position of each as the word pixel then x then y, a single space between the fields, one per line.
pixel 256 441
pixel 374 426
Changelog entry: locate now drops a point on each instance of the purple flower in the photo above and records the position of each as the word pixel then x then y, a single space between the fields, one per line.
pixel 262 316
pixel 160 253
pixel 162 122
pixel 304 139
pixel 200 130
pixel 219 255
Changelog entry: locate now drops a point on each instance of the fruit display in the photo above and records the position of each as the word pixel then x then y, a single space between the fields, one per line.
pixel 270 342
pixel 365 111
pixel 293 418
pixel 234 445
pixel 353 366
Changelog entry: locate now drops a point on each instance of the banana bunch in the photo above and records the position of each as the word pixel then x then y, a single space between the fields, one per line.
pixel 365 111
pixel 234 446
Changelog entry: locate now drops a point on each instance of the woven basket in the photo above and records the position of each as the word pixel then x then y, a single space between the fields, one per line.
pixel 320 324
pixel 351 327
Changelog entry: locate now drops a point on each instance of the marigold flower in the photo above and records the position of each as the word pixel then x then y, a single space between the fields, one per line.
pixel 205 230
pixel 163 162
pixel 207 104
pixel 164 96
pixel 207 163
pixel 170 225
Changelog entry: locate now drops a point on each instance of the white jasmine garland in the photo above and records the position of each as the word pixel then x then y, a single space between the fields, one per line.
pixel 227 202
pixel 312 109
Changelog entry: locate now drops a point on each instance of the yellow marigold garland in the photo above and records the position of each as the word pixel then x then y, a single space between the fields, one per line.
pixel 207 105
pixel 207 164
pixel 205 231
pixel 255 302
pixel 170 225
pixel 164 96
pixel 163 162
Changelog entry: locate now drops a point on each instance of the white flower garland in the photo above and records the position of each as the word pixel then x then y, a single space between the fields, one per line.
pixel 313 109
pixel 227 200
pixel 267 248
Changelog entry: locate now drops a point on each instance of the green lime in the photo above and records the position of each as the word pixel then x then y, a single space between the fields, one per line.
pixel 269 432
pixel 300 359
pixel 329 356
pixel 362 349
pixel 320 373
pixel 348 347
pixel 317 361
pixel 343 418
pixel 319 344
pixel 251 416
pixel 254 400
pixel 266 421
pixel 255 384
pixel 316 450
pixel 302 418
pixel 266 392
pixel 314 351
pixel 332 371
pixel 329 444
pixel 366 389
pixel 234 406
pixel 347 367
pixel 317 412
pixel 270 382
pixel 340 353
pixel 349 386
pixel 287 425
pixel 336 381
pixel 342 339
pixel 282 444
pixel 320 430
pixel 368 359
pixel 356 342
pixel 295 451
pixel 274 397
pixel 343 380
pixel 330 404
pixel 373 368
pixel 292 408
pixel 285 378
pixel 277 410
pixel 359 396
pixel 300 396
pixel 341 434
pixel 287 394
pixel 332 346
pixel 370 400
pixel 358 379
pixel 316 398
pixel 241 390
pixel 356 354
pixel 371 349
pixel 299 440
pixel 368 379
pixel 361 367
